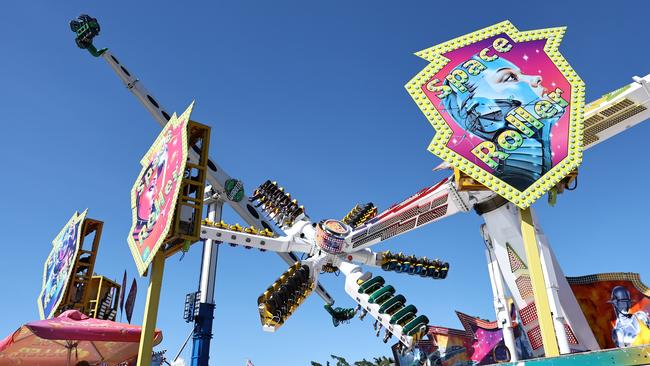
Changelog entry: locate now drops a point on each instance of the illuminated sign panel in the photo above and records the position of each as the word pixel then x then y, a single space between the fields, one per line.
pixel 59 265
pixel 507 109
pixel 154 195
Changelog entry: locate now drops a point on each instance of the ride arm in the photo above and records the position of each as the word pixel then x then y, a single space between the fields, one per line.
pixel 379 300
pixel 216 176
pixel 400 263
pixel 366 257
pixel 428 205
pixel 287 293
pixel 235 236
pixel 617 111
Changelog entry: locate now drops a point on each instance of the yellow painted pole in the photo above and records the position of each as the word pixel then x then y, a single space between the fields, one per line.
pixel 151 310
pixel 539 285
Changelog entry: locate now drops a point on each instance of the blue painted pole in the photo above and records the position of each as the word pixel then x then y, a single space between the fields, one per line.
pixel 202 335
pixel 203 321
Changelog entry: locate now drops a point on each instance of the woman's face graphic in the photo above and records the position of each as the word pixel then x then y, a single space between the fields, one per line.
pixel 510 82
pixel 146 197
pixel 497 89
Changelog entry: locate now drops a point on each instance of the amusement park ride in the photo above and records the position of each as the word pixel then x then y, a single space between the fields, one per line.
pixel 344 245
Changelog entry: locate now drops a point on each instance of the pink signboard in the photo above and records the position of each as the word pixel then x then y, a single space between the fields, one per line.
pixel 507 109
pixel 58 266
pixel 154 194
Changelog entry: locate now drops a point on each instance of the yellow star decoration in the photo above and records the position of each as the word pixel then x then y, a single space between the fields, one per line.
pixel 438 145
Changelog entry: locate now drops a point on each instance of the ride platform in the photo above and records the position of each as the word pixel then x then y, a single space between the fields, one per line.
pixel 632 356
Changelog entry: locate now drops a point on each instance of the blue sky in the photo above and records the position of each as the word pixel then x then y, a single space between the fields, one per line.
pixel 306 93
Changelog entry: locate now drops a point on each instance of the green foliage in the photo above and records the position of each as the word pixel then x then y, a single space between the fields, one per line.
pixel 340 361
pixel 364 362
pixel 383 361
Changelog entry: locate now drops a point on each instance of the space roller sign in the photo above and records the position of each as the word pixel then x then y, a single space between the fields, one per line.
pixel 155 192
pixel 507 109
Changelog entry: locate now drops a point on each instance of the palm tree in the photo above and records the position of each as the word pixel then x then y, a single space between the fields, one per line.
pixel 383 361
pixel 364 362
pixel 340 361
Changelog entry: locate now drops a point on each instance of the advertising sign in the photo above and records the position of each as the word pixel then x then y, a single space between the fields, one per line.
pixel 507 109
pixel 58 266
pixel 154 194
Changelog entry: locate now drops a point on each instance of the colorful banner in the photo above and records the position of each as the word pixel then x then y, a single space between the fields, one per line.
pixel 617 308
pixel 154 194
pixel 122 291
pixel 58 266
pixel 443 347
pixel 480 343
pixel 507 109
pixel 130 300
pixel 488 346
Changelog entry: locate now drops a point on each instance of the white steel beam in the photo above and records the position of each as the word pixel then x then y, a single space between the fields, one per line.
pixel 282 244
pixel 210 257
pixel 501 308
